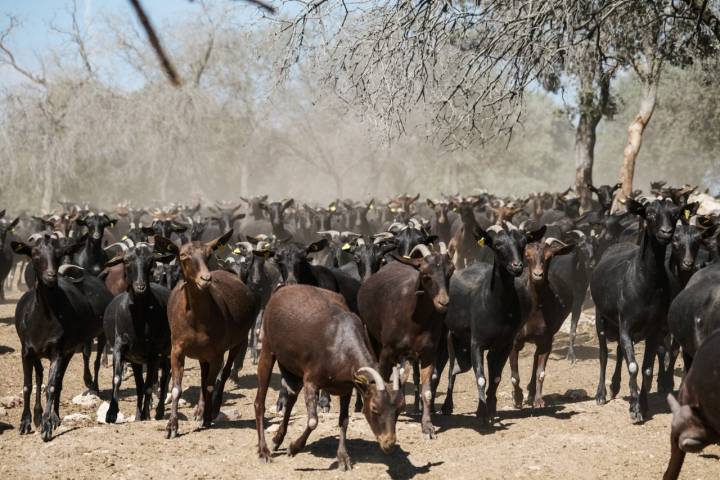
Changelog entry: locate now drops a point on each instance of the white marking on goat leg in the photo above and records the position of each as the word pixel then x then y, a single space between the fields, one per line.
pixel 602 334
pixel 175 393
pixel 497 379
pixel 116 380
pixel 434 376
pixel 514 380
pixel 633 368
pixel 52 389
pixel 312 423
pixel 210 388
pixel 25 389
pixel 542 374
pixel 428 395
pixel 481 382
pixel 648 372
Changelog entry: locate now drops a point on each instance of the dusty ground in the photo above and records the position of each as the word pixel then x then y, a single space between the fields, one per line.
pixel 569 439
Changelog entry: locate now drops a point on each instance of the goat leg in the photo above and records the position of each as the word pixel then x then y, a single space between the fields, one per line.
pixel 177 363
pixel 601 395
pixel 264 373
pixel 311 404
pixel 27 366
pixel 343 458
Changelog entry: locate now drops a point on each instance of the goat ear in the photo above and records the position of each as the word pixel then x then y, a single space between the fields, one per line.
pixel 430 203
pixel 371 204
pixel 21 248
pixel 591 187
pixel 430 239
pixel 13 224
pixel 414 199
pixel 237 217
pixel 221 240
pixel 635 207
pixel 164 245
pixel 114 261
pixel 288 203
pixel 482 237
pixel 563 249
pixel 2 213
pixel 317 246
pixel 536 235
pixel 81 221
pixel 616 186
pixel 361 383
pixel 689 210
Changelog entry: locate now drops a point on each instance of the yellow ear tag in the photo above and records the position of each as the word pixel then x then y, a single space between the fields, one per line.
pixel 371 207
pixel 481 242
pixel 346 247
pixel 332 209
pixel 393 210
pixel 125 237
pixel 237 251
pixel 687 214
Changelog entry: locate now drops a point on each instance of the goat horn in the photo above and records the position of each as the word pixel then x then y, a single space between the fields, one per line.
pixel 122 245
pixel 35 237
pixel 360 241
pixel 57 234
pixel 443 248
pixel 579 233
pixel 379 383
pixel 333 233
pixel 550 240
pixel 495 229
pixel 63 268
pixel 422 248
pixel 510 226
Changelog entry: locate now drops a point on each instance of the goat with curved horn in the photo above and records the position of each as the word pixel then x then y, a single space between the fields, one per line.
pixel 377 378
pixel 422 248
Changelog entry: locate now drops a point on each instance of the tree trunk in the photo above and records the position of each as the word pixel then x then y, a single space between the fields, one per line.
pixel 48 181
pixel 635 133
pixel 591 104
pixel 584 159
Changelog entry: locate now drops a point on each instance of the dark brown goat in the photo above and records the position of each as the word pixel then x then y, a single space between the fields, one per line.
pixel 696 411
pixel 403 306
pixel 550 301
pixel 319 344
pixel 209 314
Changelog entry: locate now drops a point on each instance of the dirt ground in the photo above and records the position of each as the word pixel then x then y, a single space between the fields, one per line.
pixel 571 438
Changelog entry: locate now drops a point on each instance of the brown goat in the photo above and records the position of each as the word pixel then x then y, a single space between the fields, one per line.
pixel 550 301
pixel 319 344
pixel 209 314
pixel 403 306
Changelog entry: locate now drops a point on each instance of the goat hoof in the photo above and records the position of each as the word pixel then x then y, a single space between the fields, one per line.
pixel 293 449
pixel 539 403
pixel 172 428
pixel 159 414
pixel 600 398
pixel 25 425
pixel 636 416
pixel 344 463
pixel 518 398
pixel 47 430
pixel 264 454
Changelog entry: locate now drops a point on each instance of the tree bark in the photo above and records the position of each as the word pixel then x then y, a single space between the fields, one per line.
pixel 591 105
pixel 635 133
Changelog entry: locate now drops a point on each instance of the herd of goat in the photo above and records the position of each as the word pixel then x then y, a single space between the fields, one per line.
pixel 355 296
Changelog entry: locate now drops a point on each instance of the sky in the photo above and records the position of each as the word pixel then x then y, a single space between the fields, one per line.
pixel 36 16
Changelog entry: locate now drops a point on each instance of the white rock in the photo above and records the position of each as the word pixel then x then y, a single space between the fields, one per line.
pixel 229 414
pixel 86 400
pixel 75 419
pixel 10 402
pixel 102 412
